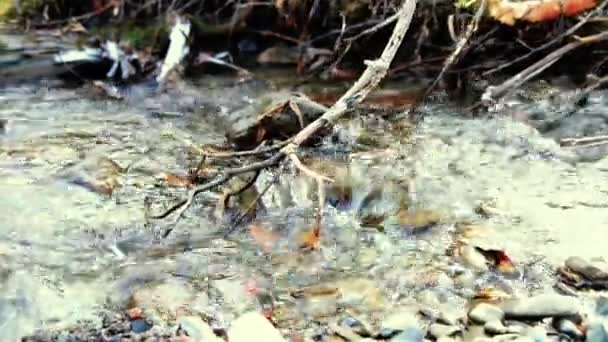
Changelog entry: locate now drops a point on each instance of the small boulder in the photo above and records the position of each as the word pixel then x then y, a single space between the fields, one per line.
pixel 541 306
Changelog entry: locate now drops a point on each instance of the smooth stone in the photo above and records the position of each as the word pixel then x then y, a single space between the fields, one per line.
pixel 566 326
pixel 401 320
pixel 449 316
pixel 541 306
pixel 356 326
pixel 252 326
pixel 587 269
pixel 495 327
pixel 408 335
pixel 484 312
pixel 140 325
pixel 440 330
pixel 197 329
pixel 475 333
pixel 472 258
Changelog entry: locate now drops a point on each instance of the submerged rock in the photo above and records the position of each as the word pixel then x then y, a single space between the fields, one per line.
pixel 253 327
pixel 483 313
pixel 541 306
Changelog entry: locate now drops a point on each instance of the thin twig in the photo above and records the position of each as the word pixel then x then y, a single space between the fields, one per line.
pixel 453 59
pixel 371 77
pixel 494 93
pixel 552 42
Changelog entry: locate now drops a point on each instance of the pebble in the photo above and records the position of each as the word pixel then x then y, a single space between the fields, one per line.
pixel 585 268
pixel 140 325
pixel 484 312
pixel 541 306
pixel 495 327
pixel 252 326
pixel 441 330
pixel 356 326
pixel 566 326
pixel 197 329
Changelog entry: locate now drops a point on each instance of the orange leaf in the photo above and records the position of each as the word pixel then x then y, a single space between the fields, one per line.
pixel 263 236
pixel 311 238
pixel 176 180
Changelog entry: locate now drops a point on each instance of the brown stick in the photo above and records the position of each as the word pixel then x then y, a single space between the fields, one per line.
pixel 371 77
pixel 494 93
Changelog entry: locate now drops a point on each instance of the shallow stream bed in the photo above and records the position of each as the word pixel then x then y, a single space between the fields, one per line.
pixel 76 173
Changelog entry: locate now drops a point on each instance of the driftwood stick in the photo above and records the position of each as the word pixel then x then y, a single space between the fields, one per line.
pixel 494 93
pixel 371 77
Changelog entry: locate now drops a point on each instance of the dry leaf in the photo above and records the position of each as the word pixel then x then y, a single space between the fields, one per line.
pixel 311 238
pixel 508 12
pixel 491 295
pixel 314 291
pixel 263 236
pixel 176 180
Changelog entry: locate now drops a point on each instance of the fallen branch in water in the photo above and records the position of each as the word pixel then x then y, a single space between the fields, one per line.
pixel 587 141
pixel 495 93
pixel 374 73
pixel 453 58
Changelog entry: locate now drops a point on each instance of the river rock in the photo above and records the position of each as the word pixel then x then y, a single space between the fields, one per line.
pixel 590 271
pixel 441 330
pixel 495 327
pixel 474 259
pixel 197 329
pixel 541 306
pixel 252 326
pixel 566 326
pixel 484 312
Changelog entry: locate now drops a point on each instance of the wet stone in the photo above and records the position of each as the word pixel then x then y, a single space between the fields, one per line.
pixel 250 325
pixel 356 326
pixel 495 328
pixel 541 306
pixel 567 327
pixel 483 313
pixel 140 325
pixel 440 330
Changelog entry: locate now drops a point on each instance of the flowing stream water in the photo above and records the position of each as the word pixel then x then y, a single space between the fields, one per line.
pixel 68 250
